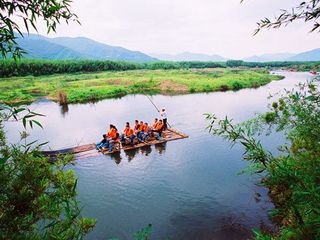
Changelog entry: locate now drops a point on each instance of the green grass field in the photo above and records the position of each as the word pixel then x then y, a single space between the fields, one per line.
pixel 85 87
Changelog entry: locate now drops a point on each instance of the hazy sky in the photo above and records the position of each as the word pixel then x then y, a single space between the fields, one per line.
pixel 221 27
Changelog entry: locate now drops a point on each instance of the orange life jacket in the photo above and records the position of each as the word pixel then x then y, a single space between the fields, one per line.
pixel 154 125
pixel 114 132
pixel 128 132
pixel 159 126
pixel 145 128
pixel 131 132
pixel 141 127
pixel 110 133
pixel 117 136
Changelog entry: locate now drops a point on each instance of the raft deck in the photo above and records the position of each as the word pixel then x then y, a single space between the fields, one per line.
pixel 90 149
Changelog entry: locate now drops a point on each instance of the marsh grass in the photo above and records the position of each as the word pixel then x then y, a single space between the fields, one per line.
pixel 87 87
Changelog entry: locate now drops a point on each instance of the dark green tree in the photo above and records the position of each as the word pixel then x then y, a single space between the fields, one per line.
pixel 234 63
pixel 307 11
pixel 52 12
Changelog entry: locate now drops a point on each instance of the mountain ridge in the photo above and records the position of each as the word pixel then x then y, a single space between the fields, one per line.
pixel 311 55
pixel 73 48
pixel 66 48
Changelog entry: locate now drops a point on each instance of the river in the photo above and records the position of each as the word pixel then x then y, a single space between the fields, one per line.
pixel 188 189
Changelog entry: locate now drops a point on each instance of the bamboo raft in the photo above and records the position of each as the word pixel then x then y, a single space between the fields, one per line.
pixel 89 150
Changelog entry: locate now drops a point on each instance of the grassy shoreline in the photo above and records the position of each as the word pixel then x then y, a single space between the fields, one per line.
pixel 85 87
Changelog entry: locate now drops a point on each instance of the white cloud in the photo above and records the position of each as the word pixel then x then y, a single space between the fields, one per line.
pixel 173 26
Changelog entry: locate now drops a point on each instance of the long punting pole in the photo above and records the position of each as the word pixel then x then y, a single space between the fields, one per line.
pixel 155 107
pixel 152 103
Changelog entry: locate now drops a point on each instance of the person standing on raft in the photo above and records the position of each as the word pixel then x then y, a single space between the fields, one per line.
pixel 163 115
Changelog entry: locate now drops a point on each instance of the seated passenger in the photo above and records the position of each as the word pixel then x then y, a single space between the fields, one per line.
pixel 106 137
pixel 158 129
pixel 145 132
pixel 154 125
pixel 128 134
pixel 141 126
pixel 139 129
pixel 136 126
pixel 115 139
pixel 103 142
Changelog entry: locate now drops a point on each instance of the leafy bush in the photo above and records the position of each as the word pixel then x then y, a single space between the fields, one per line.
pixel 192 90
pixel 235 63
pixel 37 198
pixel 237 85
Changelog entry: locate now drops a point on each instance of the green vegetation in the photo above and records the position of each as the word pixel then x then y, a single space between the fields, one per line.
pixel 79 87
pixel 293 174
pixel 37 198
pixel 10 68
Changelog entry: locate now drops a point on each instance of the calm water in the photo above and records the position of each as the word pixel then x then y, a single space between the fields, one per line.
pixel 188 189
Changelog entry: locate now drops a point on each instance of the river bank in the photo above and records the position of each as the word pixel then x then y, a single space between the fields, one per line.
pixel 88 87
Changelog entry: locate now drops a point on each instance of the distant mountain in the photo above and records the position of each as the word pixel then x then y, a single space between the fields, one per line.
pixel 255 59
pixel 269 57
pixel 38 46
pixel 188 56
pixel 313 55
pixel 42 49
pixel 101 51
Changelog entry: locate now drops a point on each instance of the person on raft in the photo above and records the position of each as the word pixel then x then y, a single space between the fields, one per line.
pixel 136 126
pixel 114 140
pixel 145 132
pixel 106 138
pixel 158 128
pixel 154 124
pixel 139 129
pixel 128 134
pixel 103 142
pixel 109 139
pixel 164 118
pixel 141 126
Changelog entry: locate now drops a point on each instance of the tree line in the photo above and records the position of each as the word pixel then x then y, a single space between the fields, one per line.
pixel 11 68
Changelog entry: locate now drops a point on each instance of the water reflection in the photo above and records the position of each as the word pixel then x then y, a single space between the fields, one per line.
pixel 130 154
pixel 145 150
pixel 116 156
pixel 232 227
pixel 161 147
pixel 64 109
